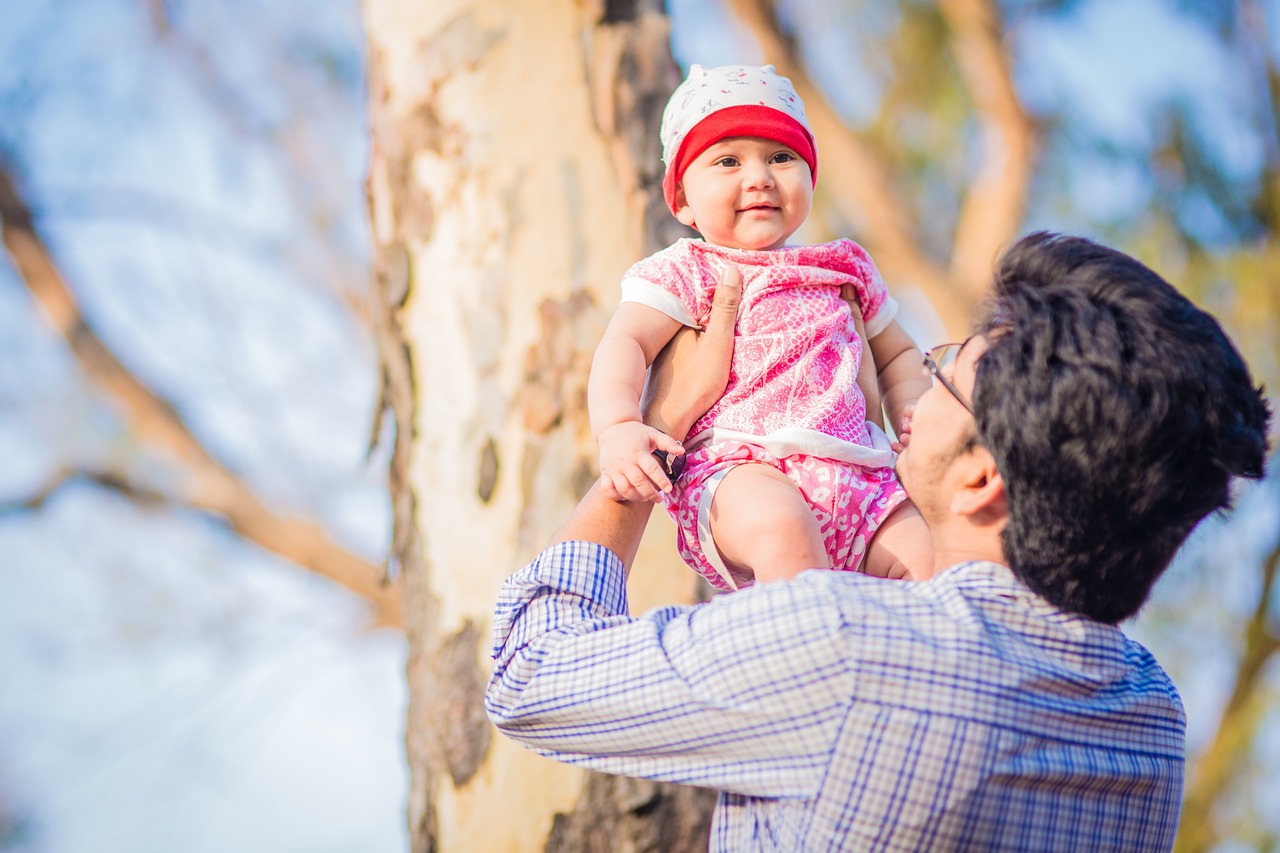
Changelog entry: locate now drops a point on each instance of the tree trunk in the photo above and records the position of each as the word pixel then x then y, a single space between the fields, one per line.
pixel 514 176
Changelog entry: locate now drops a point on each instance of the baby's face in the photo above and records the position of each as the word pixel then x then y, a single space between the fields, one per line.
pixel 746 192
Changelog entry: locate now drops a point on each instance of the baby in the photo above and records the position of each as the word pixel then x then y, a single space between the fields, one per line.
pixel 785 472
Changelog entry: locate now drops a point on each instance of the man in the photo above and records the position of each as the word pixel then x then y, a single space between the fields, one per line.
pixel 1061 458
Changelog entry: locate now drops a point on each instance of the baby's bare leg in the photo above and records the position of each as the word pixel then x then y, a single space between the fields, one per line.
pixel 760 522
pixel 902 547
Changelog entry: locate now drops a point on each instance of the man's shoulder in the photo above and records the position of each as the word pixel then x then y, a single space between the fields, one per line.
pixel 969 610
pixel 975 578
pixel 868 604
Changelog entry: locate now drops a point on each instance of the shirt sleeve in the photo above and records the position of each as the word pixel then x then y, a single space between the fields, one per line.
pixel 670 282
pixel 878 307
pixel 743 694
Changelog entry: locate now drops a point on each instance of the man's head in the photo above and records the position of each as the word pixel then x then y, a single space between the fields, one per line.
pixel 712 104
pixel 1115 412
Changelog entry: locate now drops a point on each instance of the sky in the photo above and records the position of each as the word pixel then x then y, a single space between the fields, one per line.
pixel 164 686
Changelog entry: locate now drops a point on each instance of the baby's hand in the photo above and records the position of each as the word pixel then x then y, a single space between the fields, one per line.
pixel 628 469
pixel 904 428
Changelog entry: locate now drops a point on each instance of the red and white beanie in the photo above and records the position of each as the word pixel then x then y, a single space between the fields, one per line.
pixel 732 100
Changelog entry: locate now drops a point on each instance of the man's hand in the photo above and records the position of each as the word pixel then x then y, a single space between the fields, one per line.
pixel 691 372
pixel 703 365
pixel 628 469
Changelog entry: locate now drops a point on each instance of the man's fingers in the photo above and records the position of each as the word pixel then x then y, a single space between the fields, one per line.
pixel 849 294
pixel 724 306
pixel 715 344
pixel 692 370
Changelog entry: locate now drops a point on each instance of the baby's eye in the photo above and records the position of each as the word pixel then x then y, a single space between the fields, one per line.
pixel 782 157
pixel 728 162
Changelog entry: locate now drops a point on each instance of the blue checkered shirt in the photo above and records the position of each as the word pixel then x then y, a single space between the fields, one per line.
pixel 842 712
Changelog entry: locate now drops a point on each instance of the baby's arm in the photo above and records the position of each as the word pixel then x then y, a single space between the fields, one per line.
pixel 903 377
pixel 632 340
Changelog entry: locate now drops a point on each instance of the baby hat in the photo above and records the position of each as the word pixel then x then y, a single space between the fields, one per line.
pixel 731 100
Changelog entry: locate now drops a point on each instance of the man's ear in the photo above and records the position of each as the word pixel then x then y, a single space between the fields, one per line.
pixel 981 488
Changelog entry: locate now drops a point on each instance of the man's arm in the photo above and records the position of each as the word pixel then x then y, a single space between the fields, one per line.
pixel 628 470
pixel 700 360
pixel 617 525
pixel 723 704
pixel 745 693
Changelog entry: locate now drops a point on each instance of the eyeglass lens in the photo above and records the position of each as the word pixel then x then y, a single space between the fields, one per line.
pixel 944 355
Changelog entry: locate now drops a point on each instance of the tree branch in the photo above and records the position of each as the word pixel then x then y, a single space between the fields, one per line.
pixel 856 180
pixel 211 486
pixel 336 270
pixel 110 480
pixel 994 205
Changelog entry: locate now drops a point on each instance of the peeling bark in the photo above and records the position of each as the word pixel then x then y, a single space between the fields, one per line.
pixel 630 75
pixel 488 470
pixel 514 176
pixel 459 729
pixel 393 285
pixel 618 814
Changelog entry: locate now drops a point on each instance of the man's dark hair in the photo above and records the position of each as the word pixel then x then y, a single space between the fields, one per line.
pixel 1117 413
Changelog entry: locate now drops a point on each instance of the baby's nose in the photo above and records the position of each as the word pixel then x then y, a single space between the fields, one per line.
pixel 759 175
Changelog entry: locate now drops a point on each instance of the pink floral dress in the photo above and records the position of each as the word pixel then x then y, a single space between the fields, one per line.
pixel 792 400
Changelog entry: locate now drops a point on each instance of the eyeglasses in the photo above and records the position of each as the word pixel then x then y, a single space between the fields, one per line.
pixel 939 357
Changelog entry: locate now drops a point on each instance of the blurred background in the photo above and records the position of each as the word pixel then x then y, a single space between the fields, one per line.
pixel 190 424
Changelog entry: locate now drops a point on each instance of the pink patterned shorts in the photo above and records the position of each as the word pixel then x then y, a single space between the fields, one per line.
pixel 849 501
